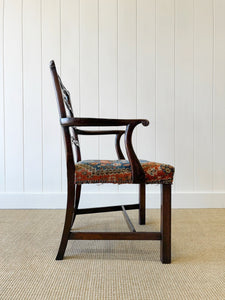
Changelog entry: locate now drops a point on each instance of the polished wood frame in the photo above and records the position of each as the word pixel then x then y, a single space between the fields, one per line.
pixel 71 133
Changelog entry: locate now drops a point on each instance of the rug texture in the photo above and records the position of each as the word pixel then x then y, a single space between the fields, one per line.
pixel 29 241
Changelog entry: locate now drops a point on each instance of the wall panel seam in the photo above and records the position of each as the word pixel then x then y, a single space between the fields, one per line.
pixel 213 92
pixel 60 66
pixel 98 92
pixel 194 97
pixel 156 80
pixel 136 68
pixel 42 120
pixel 3 92
pixel 174 79
pixel 22 88
pixel 117 55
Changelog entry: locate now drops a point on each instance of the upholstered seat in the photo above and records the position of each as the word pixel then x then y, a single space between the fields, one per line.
pixel 119 171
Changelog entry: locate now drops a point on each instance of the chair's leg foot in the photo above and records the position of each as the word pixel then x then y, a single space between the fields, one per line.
pixel 142 204
pixel 59 256
pixel 65 235
pixel 67 224
pixel 165 244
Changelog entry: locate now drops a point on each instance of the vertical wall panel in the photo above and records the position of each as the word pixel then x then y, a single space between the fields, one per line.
pixel 51 132
pixel 108 77
pixel 203 48
pixel 70 13
pixel 2 110
pixel 89 74
pixel 146 77
pixel 32 95
pixel 127 59
pixel 219 97
pixel 127 62
pixel 107 67
pixel 89 63
pixel 184 108
pixel 13 95
pixel 165 81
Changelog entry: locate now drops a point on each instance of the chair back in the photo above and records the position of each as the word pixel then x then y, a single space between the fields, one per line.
pixel 65 111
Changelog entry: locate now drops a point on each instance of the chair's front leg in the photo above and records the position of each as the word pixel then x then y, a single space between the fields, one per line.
pixel 142 204
pixel 165 249
pixel 68 220
pixel 76 202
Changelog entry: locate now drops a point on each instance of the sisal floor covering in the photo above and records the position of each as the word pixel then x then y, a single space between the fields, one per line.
pixel 29 242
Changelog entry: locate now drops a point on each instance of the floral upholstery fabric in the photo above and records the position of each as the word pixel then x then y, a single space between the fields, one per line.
pixel 119 171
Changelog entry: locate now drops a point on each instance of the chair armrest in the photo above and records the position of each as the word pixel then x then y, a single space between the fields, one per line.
pixel 101 122
pixel 138 174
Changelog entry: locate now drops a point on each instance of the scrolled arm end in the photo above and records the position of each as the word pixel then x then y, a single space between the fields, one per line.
pixel 145 122
pixel 135 122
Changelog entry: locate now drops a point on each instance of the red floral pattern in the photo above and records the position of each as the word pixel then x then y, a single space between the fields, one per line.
pixel 119 171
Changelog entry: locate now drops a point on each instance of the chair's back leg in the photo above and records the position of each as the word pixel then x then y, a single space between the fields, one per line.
pixel 142 204
pixel 165 249
pixel 68 220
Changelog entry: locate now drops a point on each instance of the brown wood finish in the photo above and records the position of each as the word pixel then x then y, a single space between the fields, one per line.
pixel 117 145
pixel 101 122
pixel 76 202
pixel 138 174
pixel 115 236
pixel 69 125
pixel 165 245
pixel 95 210
pixel 68 218
pixel 142 204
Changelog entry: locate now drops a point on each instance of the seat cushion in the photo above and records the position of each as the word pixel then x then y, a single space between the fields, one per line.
pixel 119 171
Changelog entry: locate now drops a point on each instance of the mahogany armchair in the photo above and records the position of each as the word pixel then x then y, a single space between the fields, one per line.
pixel 121 171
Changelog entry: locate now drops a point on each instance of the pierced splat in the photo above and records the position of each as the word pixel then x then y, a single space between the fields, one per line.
pixel 75 141
pixel 69 113
pixel 66 98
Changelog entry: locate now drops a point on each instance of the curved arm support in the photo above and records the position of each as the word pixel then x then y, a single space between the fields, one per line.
pixel 117 145
pixel 138 174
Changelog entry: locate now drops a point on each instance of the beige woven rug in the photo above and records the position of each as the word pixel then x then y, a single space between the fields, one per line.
pixel 29 242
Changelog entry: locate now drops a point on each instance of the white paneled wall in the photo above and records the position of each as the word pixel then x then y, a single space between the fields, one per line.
pixel 163 60
pixel 184 95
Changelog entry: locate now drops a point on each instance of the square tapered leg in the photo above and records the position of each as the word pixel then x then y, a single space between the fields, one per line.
pixel 165 249
pixel 142 204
